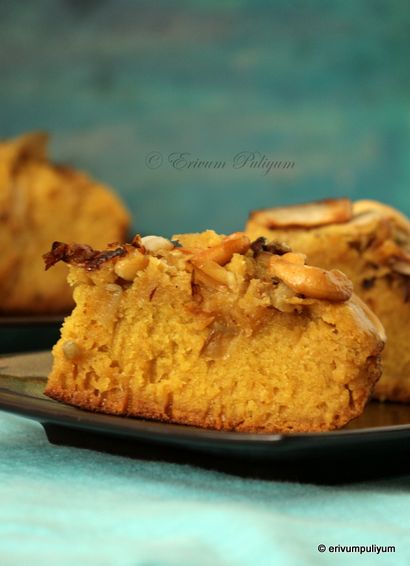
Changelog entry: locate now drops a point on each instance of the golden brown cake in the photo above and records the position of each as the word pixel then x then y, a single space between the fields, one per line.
pixel 216 332
pixel 39 203
pixel 368 241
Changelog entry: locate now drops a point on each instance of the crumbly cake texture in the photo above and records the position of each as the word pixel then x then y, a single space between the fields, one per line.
pixel 216 332
pixel 370 242
pixel 39 203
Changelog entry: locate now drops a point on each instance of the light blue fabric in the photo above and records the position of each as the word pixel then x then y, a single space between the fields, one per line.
pixel 65 506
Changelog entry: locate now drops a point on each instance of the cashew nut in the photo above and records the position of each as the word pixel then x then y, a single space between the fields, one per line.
pixel 128 267
pixel 214 274
pixel 156 243
pixel 291 257
pixel 236 243
pixel 319 213
pixel 312 282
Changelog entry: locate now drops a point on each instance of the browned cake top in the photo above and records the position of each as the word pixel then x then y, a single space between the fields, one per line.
pixel 324 213
pixel 388 243
pixel 206 255
pixel 307 215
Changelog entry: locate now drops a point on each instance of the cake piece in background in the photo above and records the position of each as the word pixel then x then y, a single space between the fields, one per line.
pixel 368 241
pixel 216 332
pixel 41 202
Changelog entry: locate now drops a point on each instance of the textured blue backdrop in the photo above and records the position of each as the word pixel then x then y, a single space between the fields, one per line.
pixel 325 85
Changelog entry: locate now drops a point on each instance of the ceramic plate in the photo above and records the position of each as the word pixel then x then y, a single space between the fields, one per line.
pixel 31 320
pixel 380 435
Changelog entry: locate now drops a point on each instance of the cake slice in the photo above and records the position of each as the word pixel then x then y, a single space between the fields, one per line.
pixel 41 202
pixel 370 242
pixel 216 332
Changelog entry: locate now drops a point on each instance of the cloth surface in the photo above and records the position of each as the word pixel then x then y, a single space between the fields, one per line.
pixel 66 506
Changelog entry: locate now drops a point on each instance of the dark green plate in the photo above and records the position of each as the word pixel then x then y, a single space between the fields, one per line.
pixel 31 319
pixel 379 437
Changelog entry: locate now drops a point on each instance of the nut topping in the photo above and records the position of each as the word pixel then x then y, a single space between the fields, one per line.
pixel 128 267
pixel 309 215
pixel 210 260
pixel 155 244
pixel 236 243
pixel 71 350
pixel 214 274
pixel 312 282
pixel 291 257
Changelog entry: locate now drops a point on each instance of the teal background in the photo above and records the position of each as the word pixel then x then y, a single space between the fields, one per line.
pixel 323 84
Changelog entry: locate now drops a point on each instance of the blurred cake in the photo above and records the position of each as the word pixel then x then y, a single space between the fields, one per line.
pixel 368 241
pixel 39 203
pixel 216 332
